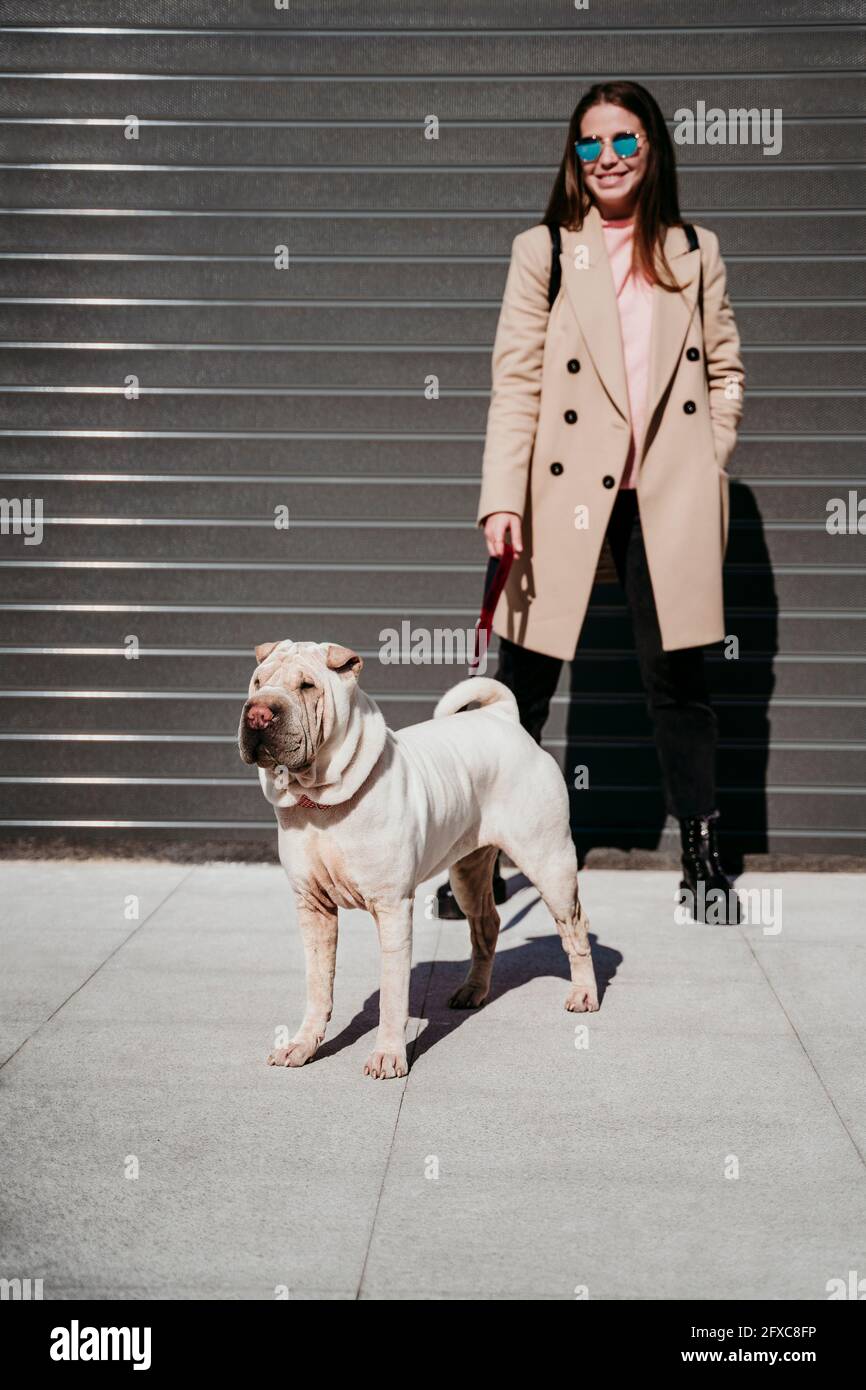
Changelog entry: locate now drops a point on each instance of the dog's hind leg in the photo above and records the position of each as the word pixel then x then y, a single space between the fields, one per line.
pixel 550 863
pixel 472 885
pixel 574 934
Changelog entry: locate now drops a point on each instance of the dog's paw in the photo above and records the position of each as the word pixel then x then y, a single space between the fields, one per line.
pixel 468 997
pixel 583 999
pixel 294 1055
pixel 383 1066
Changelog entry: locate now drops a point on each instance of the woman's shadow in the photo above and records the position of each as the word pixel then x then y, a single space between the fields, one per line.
pixel 607 730
pixel 432 983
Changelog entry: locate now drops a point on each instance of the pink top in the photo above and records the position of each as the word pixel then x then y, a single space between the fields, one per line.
pixel 634 298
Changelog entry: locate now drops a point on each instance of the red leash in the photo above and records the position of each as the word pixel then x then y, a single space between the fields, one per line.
pixel 498 567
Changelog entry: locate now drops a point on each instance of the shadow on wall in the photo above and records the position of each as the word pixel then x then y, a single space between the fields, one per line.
pixel 608 731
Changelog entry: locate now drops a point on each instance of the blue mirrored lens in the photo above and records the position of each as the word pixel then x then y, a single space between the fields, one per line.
pixel 625 146
pixel 588 149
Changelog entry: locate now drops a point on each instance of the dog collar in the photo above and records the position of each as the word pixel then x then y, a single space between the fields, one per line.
pixel 309 805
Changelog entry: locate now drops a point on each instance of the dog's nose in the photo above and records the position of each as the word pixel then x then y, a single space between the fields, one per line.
pixel 259 716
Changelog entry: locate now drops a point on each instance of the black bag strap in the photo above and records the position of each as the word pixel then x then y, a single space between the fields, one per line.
pixel 555 267
pixel 695 245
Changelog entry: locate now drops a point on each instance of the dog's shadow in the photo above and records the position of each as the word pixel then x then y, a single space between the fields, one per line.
pixel 432 984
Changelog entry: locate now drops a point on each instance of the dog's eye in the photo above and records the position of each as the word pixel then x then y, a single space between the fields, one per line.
pixel 307 685
pixel 256 682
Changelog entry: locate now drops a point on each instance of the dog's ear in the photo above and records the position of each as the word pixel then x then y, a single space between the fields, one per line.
pixel 344 661
pixel 264 650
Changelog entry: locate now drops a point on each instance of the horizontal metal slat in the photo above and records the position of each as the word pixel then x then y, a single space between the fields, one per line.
pixel 566 51
pixel 354 587
pixel 409 232
pixel 614 716
pixel 504 99
pixel 350 539
pixel 608 762
pixel 387 500
pixel 815 676
pixel 220 629
pixel 784 456
pixel 396 191
pixel 476 280
pixel 352 144
pixel 340 324
pixel 243 802
pixel 424 14
pixel 337 368
pixel 380 412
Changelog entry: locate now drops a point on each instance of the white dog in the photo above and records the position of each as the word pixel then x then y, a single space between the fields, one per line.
pixel 365 815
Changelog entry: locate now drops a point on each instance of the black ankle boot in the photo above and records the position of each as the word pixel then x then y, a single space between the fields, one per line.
pixel 447 906
pixel 706 889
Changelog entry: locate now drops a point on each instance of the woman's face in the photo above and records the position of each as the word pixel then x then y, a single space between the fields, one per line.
pixel 613 183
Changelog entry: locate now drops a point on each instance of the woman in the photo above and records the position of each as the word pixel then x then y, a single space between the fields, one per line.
pixel 612 419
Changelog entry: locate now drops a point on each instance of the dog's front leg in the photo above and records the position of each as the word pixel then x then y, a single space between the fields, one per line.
pixel 394 924
pixel 319 934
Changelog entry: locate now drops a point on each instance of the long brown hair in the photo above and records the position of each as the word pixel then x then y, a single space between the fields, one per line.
pixel 658 204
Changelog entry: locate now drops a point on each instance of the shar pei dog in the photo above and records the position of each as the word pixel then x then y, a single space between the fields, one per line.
pixel 365 815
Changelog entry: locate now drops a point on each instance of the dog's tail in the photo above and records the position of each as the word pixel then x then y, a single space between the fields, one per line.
pixel 481 690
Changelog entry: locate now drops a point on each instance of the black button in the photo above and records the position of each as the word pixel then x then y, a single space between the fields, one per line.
pixel 570 417
pixel 556 469
pixel 608 481
pixel 574 365
pixel 692 354
pixel 690 407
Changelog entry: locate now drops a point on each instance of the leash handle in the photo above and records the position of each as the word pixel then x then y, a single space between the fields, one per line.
pixel 498 568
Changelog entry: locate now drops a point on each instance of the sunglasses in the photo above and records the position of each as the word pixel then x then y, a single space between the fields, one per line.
pixel 625 145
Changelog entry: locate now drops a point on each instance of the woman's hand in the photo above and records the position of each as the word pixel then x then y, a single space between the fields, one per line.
pixel 496 527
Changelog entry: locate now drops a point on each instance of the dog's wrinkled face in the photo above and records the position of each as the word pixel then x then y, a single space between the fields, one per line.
pixel 285 718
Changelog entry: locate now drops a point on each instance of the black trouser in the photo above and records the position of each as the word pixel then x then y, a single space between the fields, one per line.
pixel 678 700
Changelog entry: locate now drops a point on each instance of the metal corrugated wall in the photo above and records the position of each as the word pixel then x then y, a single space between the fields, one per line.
pixel 153 259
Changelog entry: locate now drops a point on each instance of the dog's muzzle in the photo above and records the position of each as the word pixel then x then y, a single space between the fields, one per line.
pixel 267 736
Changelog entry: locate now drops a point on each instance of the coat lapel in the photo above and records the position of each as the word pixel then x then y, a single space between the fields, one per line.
pixel 589 286
pixel 672 314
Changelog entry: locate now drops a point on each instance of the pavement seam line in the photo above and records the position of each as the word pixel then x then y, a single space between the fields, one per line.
pixel 855 1146
pixel 119 947
pixel 397 1116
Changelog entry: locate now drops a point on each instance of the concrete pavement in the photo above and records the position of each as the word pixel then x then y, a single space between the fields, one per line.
pixel 702 1136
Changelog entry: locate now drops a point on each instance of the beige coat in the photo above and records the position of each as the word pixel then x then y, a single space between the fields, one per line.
pixel 562 477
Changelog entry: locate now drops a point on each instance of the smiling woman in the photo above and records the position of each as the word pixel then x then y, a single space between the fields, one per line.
pixel 613 414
